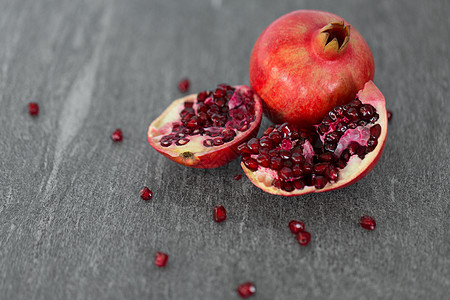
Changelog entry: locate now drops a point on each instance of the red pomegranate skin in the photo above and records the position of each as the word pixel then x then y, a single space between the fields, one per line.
pixel 298 81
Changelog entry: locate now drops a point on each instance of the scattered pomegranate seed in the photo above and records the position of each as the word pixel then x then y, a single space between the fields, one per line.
pixel 246 289
pixel 237 177
pixel 117 136
pixel 367 222
pixel 183 85
pixel 389 115
pixel 146 193
pixel 220 213
pixel 161 259
pixel 296 226
pixel 303 238
pixel 33 108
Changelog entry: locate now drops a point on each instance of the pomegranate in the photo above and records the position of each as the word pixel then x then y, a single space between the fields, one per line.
pixel 203 130
pixel 307 62
pixel 340 150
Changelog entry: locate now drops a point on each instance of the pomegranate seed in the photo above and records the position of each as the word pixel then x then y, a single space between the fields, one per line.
pixel 367 222
pixel 253 144
pixel 220 213
pixel 319 182
pixel 276 137
pixel 146 193
pixel 389 115
pixel 355 103
pixel 296 226
pixel 263 160
pixel 183 85
pixel 299 184
pixel 269 130
pixel 246 289
pixel 297 170
pixel 161 259
pixel 276 163
pixel 323 128
pixel 332 173
pixel 117 136
pixel 375 131
pixel 303 238
pixel 320 168
pixel 251 164
pixel 237 177
pixel 366 111
pixel 33 108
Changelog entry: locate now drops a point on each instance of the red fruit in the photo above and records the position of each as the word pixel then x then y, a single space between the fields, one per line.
pixel 204 130
pixel 117 135
pixel 296 226
pixel 246 289
pixel 33 108
pixel 146 193
pixel 237 177
pixel 367 222
pixel 341 150
pixel 307 62
pixel 303 238
pixel 161 259
pixel 220 213
pixel 184 85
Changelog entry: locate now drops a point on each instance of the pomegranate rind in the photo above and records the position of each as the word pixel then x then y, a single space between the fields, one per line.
pixel 198 156
pixel 356 168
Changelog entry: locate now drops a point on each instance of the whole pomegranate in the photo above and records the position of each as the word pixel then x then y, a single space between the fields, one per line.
pixel 307 62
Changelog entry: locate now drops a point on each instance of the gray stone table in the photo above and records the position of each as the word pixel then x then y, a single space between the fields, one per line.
pixel 72 225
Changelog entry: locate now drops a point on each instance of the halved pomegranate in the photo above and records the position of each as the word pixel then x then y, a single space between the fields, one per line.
pixel 344 148
pixel 203 130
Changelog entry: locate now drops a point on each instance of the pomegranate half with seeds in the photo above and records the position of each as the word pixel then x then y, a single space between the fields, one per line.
pixel 203 130
pixel 342 149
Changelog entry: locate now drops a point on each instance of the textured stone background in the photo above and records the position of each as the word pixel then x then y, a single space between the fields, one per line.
pixel 72 225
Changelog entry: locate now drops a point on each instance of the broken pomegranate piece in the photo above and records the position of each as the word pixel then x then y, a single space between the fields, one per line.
pixel 204 130
pixel 342 149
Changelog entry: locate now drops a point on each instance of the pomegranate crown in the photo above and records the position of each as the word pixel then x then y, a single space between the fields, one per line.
pixel 333 38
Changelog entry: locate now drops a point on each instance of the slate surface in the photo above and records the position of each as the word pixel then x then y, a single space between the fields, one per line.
pixel 72 225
